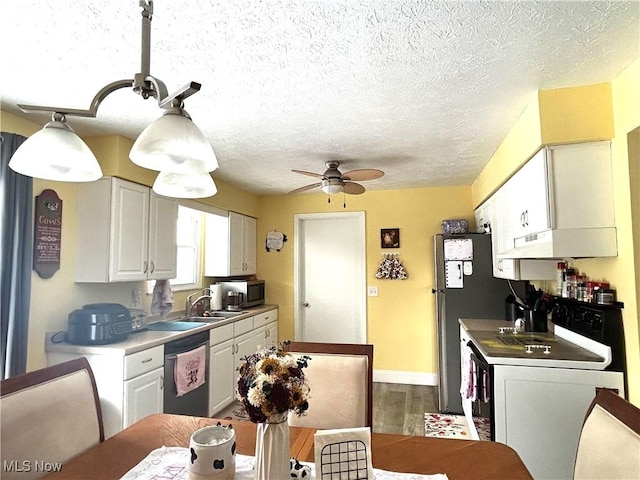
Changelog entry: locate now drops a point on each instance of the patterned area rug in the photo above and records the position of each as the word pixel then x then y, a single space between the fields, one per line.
pixel 446 426
pixel 455 426
pixel 483 427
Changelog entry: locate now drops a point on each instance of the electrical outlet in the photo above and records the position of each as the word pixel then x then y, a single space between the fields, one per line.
pixel 372 291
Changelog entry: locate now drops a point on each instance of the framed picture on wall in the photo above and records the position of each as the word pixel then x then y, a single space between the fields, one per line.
pixel 390 237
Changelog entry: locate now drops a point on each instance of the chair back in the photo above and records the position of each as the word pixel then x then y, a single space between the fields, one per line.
pixel 609 445
pixel 47 417
pixel 340 378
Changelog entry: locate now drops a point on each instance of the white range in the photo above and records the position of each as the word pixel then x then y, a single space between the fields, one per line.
pixel 535 388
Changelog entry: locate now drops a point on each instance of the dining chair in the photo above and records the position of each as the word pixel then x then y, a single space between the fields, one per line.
pixel 340 378
pixel 48 416
pixel 609 444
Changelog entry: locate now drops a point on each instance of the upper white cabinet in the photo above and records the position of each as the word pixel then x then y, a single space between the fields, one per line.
pixel 527 193
pixel 560 204
pixel 230 245
pixel 125 233
pixel 492 213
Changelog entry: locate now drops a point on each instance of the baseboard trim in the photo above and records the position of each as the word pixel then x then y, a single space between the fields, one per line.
pixel 409 378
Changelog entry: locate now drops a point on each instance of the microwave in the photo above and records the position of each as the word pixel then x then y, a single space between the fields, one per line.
pixel 253 291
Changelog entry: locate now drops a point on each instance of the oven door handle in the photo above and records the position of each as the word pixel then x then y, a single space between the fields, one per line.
pixel 476 356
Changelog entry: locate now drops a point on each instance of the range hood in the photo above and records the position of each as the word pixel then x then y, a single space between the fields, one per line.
pixel 566 243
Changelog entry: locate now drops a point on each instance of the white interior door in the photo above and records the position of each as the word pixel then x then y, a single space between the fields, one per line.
pixel 330 293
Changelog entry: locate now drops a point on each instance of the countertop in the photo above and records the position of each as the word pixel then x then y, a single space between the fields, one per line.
pixel 564 354
pixel 145 339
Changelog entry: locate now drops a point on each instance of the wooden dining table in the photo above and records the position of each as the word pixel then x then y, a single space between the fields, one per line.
pixel 458 459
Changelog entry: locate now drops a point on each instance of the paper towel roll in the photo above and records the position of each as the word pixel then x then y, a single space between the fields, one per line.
pixel 216 296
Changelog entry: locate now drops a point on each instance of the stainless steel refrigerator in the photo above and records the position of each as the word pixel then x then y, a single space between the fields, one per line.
pixel 464 288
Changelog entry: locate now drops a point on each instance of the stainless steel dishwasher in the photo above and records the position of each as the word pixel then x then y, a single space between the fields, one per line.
pixel 194 402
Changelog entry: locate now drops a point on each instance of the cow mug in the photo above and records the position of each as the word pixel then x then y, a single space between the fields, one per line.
pixel 213 453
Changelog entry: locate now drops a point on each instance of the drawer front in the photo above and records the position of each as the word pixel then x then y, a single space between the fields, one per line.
pixel 243 326
pixel 262 319
pixel 220 334
pixel 144 361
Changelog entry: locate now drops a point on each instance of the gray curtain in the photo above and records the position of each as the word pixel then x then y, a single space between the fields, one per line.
pixel 16 245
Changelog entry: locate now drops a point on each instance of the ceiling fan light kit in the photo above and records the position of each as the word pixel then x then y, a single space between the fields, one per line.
pixel 332 181
pixel 172 144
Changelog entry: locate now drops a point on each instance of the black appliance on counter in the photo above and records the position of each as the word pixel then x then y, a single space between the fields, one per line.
pixel 98 324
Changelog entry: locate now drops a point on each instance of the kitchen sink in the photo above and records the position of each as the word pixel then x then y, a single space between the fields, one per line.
pixel 214 317
pixel 226 314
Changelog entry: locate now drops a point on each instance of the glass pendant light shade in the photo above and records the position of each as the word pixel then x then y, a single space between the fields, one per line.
pixel 56 153
pixel 185 185
pixel 173 143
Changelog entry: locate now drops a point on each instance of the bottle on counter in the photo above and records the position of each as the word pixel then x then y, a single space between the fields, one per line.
pixel 561 273
pixel 569 284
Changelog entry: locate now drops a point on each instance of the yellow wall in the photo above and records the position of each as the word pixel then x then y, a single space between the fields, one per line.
pixel 401 319
pixel 582 114
pixel 621 271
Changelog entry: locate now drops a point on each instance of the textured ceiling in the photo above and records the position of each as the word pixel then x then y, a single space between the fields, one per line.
pixel 424 90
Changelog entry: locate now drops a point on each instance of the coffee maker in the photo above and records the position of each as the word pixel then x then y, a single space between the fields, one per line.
pixel 234 301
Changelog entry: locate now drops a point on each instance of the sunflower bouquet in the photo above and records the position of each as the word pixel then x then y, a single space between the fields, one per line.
pixel 272 382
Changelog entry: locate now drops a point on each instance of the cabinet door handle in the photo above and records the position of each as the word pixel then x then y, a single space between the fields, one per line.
pixel 147 360
pixel 145 266
pixel 161 382
pixel 153 266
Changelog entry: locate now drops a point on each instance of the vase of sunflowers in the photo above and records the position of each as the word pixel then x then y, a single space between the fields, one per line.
pixel 271 386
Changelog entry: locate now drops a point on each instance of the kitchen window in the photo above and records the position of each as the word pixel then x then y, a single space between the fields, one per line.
pixel 189 255
pixel 189 239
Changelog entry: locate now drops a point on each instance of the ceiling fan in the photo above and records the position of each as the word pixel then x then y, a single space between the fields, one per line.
pixel 332 181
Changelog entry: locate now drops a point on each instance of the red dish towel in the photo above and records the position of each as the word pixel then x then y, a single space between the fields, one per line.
pixel 189 370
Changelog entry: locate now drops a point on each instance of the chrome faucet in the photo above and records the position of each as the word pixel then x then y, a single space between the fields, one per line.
pixel 188 308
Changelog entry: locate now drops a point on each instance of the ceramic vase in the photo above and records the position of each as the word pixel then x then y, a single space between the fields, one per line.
pixel 272 448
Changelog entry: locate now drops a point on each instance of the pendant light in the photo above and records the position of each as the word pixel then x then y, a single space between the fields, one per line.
pixel 56 153
pixel 171 144
pixel 185 185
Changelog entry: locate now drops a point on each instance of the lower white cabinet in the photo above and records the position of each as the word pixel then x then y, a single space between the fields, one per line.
pixel 222 376
pixel 143 396
pixel 129 386
pixel 230 344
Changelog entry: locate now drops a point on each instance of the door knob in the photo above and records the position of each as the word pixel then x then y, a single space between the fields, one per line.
pixel 305 304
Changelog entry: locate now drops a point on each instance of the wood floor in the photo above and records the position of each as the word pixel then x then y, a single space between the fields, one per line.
pixel 397 408
pixel 400 408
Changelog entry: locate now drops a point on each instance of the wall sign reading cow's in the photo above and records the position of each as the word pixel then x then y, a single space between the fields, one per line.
pixel 47 234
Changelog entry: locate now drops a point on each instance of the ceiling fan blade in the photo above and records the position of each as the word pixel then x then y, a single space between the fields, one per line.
pixel 351 188
pixel 311 174
pixel 363 174
pixel 306 187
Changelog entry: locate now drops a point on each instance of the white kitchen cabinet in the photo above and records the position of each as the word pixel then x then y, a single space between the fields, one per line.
pixel 230 245
pixel 527 208
pixel 125 233
pixel 560 204
pixel 143 396
pixel 493 212
pixel 266 329
pixel 129 386
pixel 222 376
pixel 230 344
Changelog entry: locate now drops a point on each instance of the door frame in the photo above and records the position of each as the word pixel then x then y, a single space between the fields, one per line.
pixel 298 221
